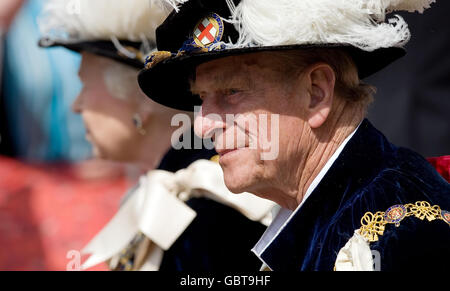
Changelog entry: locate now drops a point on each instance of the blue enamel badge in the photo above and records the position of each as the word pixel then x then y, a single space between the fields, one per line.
pixel 206 35
pixel 395 214
pixel 446 216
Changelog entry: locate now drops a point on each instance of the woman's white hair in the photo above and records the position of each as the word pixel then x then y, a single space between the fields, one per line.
pixel 121 82
pixel 93 20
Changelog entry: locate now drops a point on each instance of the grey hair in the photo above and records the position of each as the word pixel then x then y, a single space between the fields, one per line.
pixel 121 81
pixel 348 85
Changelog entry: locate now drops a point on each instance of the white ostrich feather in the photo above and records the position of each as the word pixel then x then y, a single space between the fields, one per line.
pixel 361 23
pixel 175 4
pixel 85 20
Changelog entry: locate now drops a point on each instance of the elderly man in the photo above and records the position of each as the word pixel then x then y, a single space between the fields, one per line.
pixel 350 200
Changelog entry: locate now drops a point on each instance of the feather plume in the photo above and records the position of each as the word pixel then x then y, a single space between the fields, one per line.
pixel 361 23
pixel 85 20
pixel 175 3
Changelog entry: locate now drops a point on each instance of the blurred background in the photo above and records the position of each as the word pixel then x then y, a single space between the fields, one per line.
pixel 54 198
pixel 412 104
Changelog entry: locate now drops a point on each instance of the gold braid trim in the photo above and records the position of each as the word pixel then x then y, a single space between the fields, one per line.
pixel 155 58
pixel 373 225
pixel 126 259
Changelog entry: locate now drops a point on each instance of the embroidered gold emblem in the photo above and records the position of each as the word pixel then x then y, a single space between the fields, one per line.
pixel 395 214
pixel 373 225
pixel 156 57
pixel 423 210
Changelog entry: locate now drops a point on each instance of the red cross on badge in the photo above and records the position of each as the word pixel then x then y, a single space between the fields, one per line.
pixel 208 30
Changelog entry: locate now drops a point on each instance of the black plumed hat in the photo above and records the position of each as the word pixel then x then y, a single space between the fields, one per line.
pixel 203 30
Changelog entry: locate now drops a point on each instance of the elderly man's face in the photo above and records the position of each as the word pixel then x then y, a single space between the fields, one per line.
pixel 252 86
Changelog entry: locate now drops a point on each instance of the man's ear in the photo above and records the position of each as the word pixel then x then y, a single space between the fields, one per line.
pixel 320 80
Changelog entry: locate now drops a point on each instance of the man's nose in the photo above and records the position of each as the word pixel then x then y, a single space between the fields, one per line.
pixel 206 125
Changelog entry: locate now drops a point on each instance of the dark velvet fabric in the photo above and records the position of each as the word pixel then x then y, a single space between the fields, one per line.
pixel 219 238
pixel 372 175
pixel 413 94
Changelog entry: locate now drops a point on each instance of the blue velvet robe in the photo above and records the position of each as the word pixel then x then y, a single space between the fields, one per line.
pixel 370 174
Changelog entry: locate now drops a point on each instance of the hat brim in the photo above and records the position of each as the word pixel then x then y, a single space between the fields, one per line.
pixel 100 48
pixel 167 82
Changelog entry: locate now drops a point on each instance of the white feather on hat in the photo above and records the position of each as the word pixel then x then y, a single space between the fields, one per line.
pixel 175 3
pixel 93 20
pixel 361 23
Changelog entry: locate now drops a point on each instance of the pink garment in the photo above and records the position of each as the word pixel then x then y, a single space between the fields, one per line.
pixel 47 211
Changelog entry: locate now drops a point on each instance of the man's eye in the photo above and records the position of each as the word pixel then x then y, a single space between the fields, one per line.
pixel 233 91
